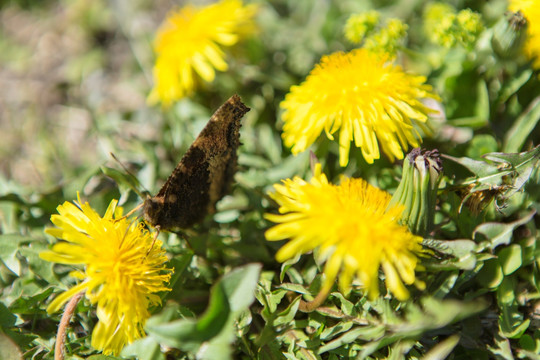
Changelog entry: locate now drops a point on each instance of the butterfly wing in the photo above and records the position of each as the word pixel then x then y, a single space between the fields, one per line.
pixel 204 174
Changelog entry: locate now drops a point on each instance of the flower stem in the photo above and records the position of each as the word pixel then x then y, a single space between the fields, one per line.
pixel 62 327
pixel 309 306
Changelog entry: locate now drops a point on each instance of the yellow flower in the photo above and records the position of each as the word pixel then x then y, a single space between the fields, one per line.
pixel 531 11
pixel 123 269
pixel 352 228
pixel 189 44
pixel 364 96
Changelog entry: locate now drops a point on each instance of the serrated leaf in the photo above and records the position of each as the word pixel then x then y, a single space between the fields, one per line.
pixel 300 289
pixel 515 160
pixel 346 306
pixel 331 332
pixel 511 322
pixel 477 167
pixel 287 315
pixel 364 333
pixel 501 233
pixel 463 253
pixel 457 248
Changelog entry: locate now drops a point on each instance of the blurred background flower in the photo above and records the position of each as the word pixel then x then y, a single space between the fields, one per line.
pixel 189 46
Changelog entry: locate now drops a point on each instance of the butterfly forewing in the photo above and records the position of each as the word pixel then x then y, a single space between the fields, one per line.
pixel 204 174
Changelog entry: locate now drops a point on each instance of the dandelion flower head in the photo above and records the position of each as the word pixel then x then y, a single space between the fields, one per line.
pixel 189 45
pixel 123 270
pixel 363 95
pixel 531 11
pixel 352 228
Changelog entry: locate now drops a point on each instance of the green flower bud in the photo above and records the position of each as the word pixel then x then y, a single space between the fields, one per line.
pixel 417 190
pixel 509 34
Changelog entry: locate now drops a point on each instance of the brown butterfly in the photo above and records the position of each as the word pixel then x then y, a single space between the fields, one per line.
pixel 204 174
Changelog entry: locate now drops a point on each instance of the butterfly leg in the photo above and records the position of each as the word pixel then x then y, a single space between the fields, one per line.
pixel 156 234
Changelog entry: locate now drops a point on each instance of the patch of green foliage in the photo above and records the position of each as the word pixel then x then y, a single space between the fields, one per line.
pixel 230 299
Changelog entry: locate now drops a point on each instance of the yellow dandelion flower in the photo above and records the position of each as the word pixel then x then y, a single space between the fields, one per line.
pixel 123 269
pixel 370 100
pixel 531 11
pixel 352 228
pixel 189 45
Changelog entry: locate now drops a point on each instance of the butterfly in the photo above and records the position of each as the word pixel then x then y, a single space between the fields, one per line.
pixel 204 174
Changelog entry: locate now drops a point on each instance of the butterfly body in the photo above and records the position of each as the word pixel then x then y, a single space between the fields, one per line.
pixel 204 174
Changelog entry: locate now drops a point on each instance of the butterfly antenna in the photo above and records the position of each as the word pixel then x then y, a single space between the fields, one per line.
pixel 136 183
pixel 133 210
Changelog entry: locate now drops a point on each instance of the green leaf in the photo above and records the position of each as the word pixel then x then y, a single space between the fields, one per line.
pixel 511 322
pixel 513 159
pixel 481 109
pixel 491 274
pixel 287 315
pixel 463 253
pixel 9 247
pixel 477 167
pixel 480 145
pixel 346 306
pixel 510 258
pixel 442 349
pixel 41 268
pixel 7 318
pixel 233 294
pixel 144 349
pixel 331 332
pixel 179 264
pixel 503 349
pixel 514 84
pixel 506 291
pixel 522 127
pixel 499 233
pixel 124 180
pixel 239 286
pixel 364 333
